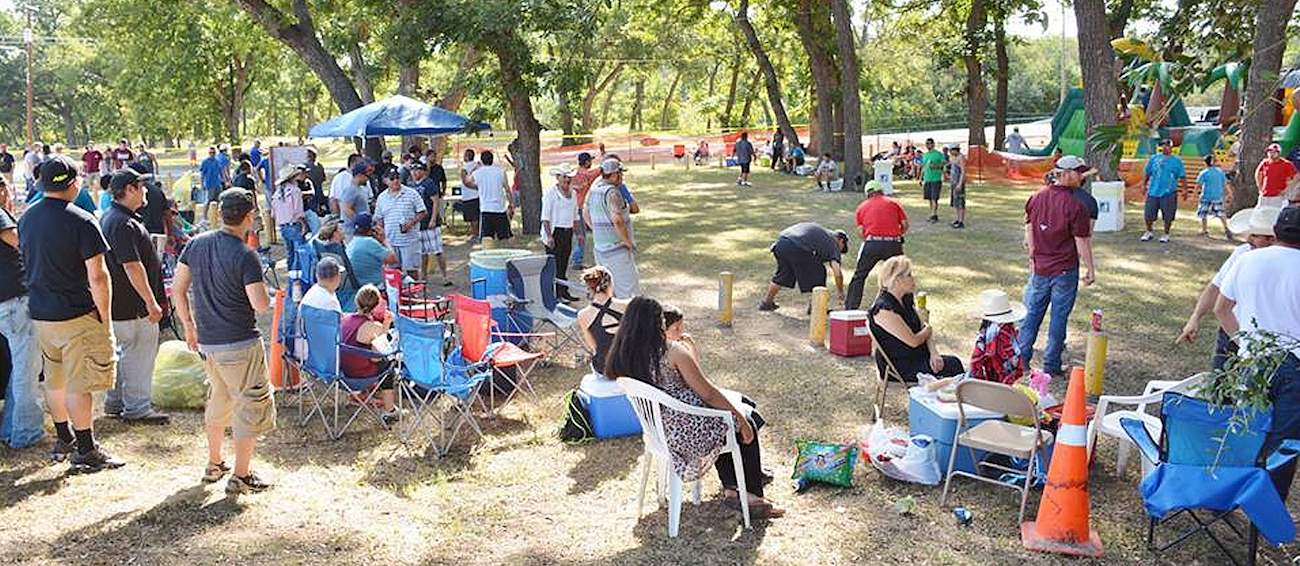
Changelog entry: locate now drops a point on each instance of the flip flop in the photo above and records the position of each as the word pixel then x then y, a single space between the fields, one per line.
pixel 756 510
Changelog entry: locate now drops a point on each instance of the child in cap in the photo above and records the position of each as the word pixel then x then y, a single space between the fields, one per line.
pixel 997 354
pixel 1212 181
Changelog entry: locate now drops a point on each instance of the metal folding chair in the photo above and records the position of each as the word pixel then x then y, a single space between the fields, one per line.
pixel 428 377
pixel 885 371
pixel 531 281
pixel 322 330
pixel 482 343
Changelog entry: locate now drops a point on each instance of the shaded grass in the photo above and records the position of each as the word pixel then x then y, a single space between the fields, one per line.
pixel 522 497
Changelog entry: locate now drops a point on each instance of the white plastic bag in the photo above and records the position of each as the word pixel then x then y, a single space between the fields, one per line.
pixel 900 456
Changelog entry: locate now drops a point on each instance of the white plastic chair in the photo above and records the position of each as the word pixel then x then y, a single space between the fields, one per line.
pixel 649 402
pixel 1108 423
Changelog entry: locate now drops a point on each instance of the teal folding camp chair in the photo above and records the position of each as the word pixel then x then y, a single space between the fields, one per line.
pixel 428 378
pixel 322 330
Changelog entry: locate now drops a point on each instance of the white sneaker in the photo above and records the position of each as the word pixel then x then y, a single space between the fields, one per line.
pixel 1164 238
pixel 1146 237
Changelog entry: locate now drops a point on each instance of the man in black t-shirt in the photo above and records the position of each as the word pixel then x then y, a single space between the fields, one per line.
pixel 70 301
pixel 431 192
pixel 6 164
pixel 155 206
pixel 138 298
pixel 802 252
pixel 24 421
pixel 221 323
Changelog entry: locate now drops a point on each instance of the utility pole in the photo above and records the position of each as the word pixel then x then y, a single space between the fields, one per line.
pixel 27 38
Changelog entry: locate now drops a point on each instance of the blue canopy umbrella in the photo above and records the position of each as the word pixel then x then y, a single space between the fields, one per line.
pixel 395 116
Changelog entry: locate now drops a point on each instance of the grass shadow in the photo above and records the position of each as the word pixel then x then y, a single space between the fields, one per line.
pixel 602 461
pixel 178 517
pixel 13 492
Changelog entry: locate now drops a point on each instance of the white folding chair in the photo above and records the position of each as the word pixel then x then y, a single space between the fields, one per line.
pixel 1108 423
pixel 649 403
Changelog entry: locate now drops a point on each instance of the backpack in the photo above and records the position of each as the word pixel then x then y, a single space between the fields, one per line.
pixel 577 422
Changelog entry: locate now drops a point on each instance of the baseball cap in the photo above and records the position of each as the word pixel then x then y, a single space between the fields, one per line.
pixel 140 168
pixel 126 177
pixel 1274 147
pixel 388 154
pixel 418 165
pixel 611 166
pixel 363 221
pixel 1074 163
pixel 1167 142
pixel 236 201
pixel 362 167
pixel 391 173
pixel 58 173
pixel 1287 228
pixel 328 268
pixel 584 157
pixel 874 186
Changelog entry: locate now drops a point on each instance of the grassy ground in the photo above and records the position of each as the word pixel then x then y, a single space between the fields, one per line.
pixel 522 497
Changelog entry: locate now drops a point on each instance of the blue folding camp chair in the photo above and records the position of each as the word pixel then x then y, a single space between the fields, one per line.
pixel 1210 465
pixel 531 281
pixel 322 330
pixel 428 376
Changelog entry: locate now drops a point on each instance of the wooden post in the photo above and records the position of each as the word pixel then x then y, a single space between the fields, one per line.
pixel 1094 365
pixel 652 161
pixel 821 298
pixel 725 312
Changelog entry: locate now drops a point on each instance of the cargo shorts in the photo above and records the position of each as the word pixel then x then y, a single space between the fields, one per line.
pixel 79 355
pixel 239 395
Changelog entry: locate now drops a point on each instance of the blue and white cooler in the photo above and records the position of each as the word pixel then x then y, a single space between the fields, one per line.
pixel 929 415
pixel 611 413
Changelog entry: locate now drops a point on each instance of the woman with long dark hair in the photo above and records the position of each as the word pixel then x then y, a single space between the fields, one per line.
pixel 640 351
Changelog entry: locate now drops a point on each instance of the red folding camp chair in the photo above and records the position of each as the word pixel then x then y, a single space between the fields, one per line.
pixel 411 300
pixel 481 342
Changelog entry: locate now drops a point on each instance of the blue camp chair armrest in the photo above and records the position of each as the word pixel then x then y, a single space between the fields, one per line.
pixel 1284 454
pixel 366 352
pixel 1137 431
pixel 511 298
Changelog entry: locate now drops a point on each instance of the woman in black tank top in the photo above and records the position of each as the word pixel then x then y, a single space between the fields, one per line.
pixel 599 320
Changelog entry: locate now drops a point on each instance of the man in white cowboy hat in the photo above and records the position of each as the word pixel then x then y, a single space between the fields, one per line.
pixel 1256 224
pixel 996 356
pixel 287 210
pixel 559 219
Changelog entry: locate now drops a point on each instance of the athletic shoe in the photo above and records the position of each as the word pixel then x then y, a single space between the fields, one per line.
pixel 247 484
pixel 62 450
pixel 934 218
pixel 94 461
pixel 954 223
pixel 215 472
pixel 1146 237
pixel 766 306
pixel 1164 238
pixel 152 417
pixel 959 225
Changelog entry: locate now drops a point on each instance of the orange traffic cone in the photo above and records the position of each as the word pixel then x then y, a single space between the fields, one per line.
pixel 1062 525
pixel 275 367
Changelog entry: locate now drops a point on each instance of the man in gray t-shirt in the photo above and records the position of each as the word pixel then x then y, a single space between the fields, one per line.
pixel 354 198
pixel 744 156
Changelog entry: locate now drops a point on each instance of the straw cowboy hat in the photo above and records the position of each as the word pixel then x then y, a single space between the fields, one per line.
pixel 290 171
pixel 996 306
pixel 1256 221
pixel 563 170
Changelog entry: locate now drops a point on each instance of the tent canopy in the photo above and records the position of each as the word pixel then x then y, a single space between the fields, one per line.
pixel 395 116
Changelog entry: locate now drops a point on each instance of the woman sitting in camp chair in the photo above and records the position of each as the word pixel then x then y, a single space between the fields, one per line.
pixel 599 320
pixel 702 153
pixel 368 329
pixel 906 340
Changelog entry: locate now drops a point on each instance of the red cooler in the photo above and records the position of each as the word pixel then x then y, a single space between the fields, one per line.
pixel 850 335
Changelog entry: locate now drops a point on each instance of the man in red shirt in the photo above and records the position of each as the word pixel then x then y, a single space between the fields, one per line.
pixel 1273 176
pixel 582 181
pixel 882 223
pixel 1058 232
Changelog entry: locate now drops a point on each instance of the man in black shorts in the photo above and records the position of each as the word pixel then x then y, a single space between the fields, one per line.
pixel 495 208
pixel 744 157
pixel 801 252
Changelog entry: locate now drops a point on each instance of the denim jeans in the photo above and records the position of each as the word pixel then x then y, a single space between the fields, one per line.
pixel 137 348
pixel 578 257
pixel 24 420
pixel 1059 292
pixel 292 235
pixel 1285 392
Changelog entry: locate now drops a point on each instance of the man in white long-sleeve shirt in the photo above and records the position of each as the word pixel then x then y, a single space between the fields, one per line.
pixel 559 218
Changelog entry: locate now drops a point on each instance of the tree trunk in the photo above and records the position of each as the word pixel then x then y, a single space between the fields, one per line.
pixel 1261 107
pixel 457 90
pixel 566 120
pixel 765 66
pixel 242 69
pixel 609 97
pixel 408 83
pixel 976 93
pixel 821 63
pixel 1001 75
pixel 731 91
pixel 1097 60
pixel 713 83
pixel 635 124
pixel 749 99
pixel 851 103
pixel 589 101
pixel 360 74
pixel 512 55
pixel 69 125
pixel 668 100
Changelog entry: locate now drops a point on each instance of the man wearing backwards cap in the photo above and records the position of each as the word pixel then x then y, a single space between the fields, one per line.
pixel 1163 172
pixel 70 301
pixel 1058 233
pixel 1256 224
pixel 1273 176
pixel 802 252
pixel 138 298
pixel 1262 293
pixel 610 219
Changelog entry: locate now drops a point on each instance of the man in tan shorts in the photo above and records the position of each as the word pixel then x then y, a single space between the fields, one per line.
pixel 224 278
pixel 69 303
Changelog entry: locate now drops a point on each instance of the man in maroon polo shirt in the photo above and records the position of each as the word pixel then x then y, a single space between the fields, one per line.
pixel 882 223
pixel 1058 231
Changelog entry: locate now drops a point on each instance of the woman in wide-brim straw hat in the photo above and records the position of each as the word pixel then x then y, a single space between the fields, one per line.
pixel 997 352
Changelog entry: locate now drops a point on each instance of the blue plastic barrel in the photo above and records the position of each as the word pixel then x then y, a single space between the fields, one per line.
pixel 487 271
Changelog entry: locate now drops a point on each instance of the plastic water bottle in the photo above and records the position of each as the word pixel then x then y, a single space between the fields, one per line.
pixel 964 517
pixel 801 485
